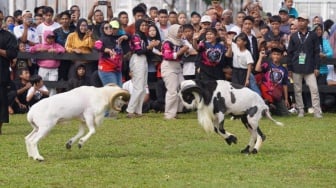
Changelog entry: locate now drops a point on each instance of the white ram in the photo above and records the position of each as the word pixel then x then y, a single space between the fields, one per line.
pixel 87 103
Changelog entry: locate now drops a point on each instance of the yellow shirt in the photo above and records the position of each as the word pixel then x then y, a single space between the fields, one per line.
pixel 74 42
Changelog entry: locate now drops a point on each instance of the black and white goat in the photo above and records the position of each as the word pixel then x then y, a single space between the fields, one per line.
pixel 86 103
pixel 215 99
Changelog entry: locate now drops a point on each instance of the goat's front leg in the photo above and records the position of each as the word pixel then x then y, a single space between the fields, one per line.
pixel 91 126
pixel 80 133
pixel 229 138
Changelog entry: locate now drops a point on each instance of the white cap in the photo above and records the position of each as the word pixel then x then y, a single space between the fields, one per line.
pixel 206 18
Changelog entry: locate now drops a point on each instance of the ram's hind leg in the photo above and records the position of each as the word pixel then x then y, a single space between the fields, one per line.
pixel 80 133
pixel 252 141
pixel 35 138
pixel 229 138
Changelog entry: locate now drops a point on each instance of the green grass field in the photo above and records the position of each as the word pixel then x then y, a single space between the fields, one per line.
pixel 152 152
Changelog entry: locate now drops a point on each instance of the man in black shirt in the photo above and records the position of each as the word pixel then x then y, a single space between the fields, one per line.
pixel 8 51
pixel 304 63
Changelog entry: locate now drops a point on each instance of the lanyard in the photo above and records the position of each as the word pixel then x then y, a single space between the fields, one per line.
pixel 304 38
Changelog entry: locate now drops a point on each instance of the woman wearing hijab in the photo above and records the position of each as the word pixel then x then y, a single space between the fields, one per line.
pixel 139 67
pixel 80 42
pixel 171 69
pixel 110 60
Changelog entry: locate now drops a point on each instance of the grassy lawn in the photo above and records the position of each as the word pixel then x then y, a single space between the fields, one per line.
pixel 152 152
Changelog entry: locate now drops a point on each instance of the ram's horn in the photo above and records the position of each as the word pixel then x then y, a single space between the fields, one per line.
pixel 124 94
pixel 189 89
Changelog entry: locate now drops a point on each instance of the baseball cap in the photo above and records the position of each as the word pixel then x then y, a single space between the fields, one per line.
pixel 26 12
pixel 303 16
pixel 195 13
pixel 283 9
pixel 115 24
pixel 206 18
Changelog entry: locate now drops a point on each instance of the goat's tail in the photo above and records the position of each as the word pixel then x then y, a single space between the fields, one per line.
pixel 268 115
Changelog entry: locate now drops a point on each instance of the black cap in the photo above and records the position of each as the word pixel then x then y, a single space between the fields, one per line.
pixel 195 13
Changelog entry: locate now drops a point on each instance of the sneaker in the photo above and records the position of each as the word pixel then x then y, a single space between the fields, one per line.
pixel 318 115
pixel 292 110
pixel 311 110
pixel 301 114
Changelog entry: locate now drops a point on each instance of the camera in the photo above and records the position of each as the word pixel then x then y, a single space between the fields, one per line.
pixel 102 2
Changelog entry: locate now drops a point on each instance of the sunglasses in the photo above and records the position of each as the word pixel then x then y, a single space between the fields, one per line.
pixel 108 27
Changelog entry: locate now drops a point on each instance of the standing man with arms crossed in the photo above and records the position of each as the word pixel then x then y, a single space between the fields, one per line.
pixel 304 63
pixel 8 51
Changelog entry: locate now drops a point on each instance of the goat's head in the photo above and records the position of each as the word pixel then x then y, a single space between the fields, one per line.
pixel 190 94
pixel 119 98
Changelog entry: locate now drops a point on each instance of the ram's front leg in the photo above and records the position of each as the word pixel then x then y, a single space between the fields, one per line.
pixel 229 138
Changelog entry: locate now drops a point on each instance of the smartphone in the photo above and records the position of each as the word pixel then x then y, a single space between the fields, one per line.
pixel 102 2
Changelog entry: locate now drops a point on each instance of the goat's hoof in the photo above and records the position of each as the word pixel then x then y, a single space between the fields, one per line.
pixel 246 150
pixel 39 158
pixel 254 151
pixel 68 145
pixel 231 139
pixel 263 137
pixel 80 146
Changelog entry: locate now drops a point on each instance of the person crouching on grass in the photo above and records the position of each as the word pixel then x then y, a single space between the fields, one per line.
pixel 37 91
pixel 274 82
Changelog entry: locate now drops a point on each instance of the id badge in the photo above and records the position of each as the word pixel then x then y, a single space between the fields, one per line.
pixel 302 58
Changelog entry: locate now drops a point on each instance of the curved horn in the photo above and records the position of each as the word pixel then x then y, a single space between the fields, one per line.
pixel 189 90
pixel 124 94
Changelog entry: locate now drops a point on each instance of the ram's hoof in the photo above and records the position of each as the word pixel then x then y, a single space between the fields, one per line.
pixel 254 151
pixel 246 150
pixel 68 145
pixel 231 139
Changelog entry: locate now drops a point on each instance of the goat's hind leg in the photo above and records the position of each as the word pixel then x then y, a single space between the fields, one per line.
pixel 229 138
pixel 80 133
pixel 28 142
pixel 252 141
pixel 35 138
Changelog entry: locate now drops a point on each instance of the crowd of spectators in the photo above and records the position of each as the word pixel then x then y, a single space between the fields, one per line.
pixel 253 48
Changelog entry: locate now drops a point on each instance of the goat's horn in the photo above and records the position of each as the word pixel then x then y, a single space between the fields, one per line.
pixel 189 89
pixel 124 94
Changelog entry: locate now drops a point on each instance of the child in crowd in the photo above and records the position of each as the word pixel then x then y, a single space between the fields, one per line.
pixel 48 68
pixel 37 91
pixel 110 61
pixel 190 58
pixel 274 81
pixel 242 61
pixel 80 80
pixel 22 85
pixel 172 51
pixel 291 10
pixel 213 54
pixel 20 63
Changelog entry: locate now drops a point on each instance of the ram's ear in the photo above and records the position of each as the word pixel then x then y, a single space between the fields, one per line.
pixel 189 92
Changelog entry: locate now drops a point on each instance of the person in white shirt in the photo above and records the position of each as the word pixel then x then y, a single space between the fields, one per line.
pixel 25 32
pixel 128 85
pixel 48 24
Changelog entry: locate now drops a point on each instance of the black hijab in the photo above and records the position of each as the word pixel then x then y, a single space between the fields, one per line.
pixel 80 34
pixel 138 32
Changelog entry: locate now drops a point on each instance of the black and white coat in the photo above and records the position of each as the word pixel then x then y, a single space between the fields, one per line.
pixel 215 99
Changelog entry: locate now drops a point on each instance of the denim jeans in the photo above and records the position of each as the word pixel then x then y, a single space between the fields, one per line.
pixel 110 77
pixel 253 85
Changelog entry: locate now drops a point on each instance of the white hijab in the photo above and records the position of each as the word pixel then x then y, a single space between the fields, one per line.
pixel 172 35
